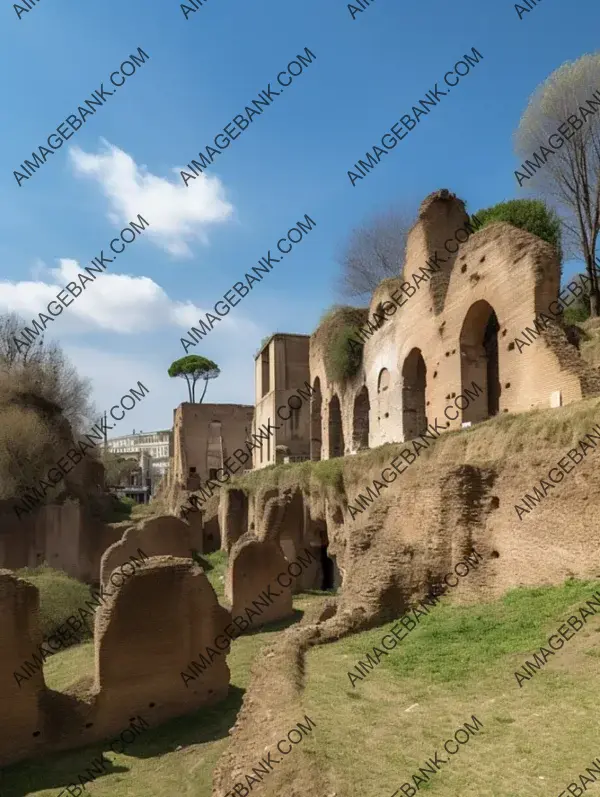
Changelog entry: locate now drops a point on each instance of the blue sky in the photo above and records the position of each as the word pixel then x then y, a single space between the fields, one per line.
pixel 292 160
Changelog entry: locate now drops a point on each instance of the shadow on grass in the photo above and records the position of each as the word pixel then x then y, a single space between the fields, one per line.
pixel 276 625
pixel 61 769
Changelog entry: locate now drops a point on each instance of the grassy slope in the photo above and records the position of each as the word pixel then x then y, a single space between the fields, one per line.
pixel 60 595
pixel 459 662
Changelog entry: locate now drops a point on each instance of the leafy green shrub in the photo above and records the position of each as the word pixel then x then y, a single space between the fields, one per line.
pixel 343 359
pixel 579 310
pixel 532 215
pixel 60 597
pixel 576 314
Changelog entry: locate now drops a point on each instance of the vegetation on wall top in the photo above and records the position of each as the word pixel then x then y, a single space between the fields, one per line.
pixel 532 215
pixel 338 326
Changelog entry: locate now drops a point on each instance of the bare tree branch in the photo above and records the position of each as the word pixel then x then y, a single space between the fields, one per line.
pixel 372 253
pixel 570 179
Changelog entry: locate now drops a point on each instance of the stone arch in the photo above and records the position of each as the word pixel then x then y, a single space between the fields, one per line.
pixel 316 405
pixel 479 361
pixel 336 431
pixel 414 382
pixel 360 422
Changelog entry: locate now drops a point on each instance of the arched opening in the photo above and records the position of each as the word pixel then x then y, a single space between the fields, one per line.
pixel 336 433
pixel 414 381
pixel 383 382
pixel 361 420
pixel 479 362
pixel 316 404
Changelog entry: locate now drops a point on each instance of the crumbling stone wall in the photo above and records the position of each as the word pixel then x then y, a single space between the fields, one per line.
pixel 63 535
pixel 233 517
pixel 146 633
pixel 501 269
pixel 161 536
pixel 20 714
pixel 254 566
pixel 204 436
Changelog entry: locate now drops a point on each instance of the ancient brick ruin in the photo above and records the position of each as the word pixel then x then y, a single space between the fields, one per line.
pixel 145 635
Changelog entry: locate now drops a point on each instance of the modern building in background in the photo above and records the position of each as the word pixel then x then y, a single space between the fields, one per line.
pixel 152 451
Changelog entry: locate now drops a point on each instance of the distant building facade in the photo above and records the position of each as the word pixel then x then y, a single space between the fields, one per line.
pixel 281 368
pixel 152 451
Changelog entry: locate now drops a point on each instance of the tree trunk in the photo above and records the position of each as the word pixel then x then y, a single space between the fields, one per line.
pixel 204 391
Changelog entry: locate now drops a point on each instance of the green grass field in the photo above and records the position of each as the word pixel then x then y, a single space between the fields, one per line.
pixel 370 738
pixel 459 662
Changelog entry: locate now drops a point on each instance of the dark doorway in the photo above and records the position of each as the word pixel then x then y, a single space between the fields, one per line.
pixel 361 420
pixel 490 344
pixel 328 571
pixel 414 383
pixel 479 363
pixel 336 434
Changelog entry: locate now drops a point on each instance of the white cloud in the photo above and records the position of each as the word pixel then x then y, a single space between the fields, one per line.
pixel 176 214
pixel 114 302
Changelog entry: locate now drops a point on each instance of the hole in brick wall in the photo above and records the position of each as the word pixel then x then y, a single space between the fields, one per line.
pixel 507 385
pixel 447 354
pixel 151 705
pixel 453 351
pixel 434 374
pixel 505 410
pixel 495 502
pixel 36 733
pixel 447 423
pixel 495 555
pixel 511 346
pixel 448 396
pixel 452 395
pixel 463 268
pixel 131 719
pixel 503 332
pixel 89 724
pixel 427 404
pixel 386 415
pixel 482 258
